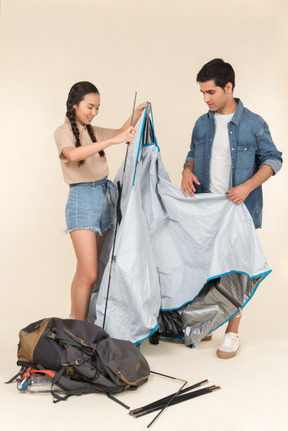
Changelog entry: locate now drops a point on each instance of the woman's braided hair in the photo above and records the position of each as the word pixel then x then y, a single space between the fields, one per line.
pixel 76 94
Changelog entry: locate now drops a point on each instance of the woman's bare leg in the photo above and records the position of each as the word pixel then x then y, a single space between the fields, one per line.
pixel 100 241
pixel 233 324
pixel 87 246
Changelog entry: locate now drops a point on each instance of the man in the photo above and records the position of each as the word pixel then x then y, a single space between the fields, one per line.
pixel 231 152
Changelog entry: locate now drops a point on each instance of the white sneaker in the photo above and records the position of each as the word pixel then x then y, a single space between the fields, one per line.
pixel 229 347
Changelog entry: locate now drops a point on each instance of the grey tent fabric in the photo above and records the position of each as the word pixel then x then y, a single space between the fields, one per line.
pixel 199 256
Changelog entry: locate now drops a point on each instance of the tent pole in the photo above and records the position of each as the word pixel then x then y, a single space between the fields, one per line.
pixel 118 217
pixel 162 401
pixel 132 117
pixel 169 401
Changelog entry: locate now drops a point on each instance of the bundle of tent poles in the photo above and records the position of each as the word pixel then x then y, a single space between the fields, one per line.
pixel 178 397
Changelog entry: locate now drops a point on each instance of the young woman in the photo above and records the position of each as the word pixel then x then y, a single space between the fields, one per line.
pixel 84 166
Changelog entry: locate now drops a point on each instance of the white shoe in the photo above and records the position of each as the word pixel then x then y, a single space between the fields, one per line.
pixel 229 347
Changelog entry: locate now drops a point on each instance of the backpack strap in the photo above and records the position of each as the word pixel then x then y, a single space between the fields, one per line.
pixel 68 393
pixel 27 369
pixel 66 336
pixel 23 366
pixel 117 401
pixel 57 378
pixel 13 378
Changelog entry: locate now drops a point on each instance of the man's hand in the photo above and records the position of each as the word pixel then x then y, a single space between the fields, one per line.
pixel 239 193
pixel 188 180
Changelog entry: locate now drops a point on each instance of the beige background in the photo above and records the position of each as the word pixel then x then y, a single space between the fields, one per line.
pixel 47 46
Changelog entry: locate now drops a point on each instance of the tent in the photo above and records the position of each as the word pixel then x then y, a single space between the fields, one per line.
pixel 182 266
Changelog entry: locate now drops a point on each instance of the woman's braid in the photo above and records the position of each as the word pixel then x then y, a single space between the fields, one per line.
pixel 93 138
pixel 70 114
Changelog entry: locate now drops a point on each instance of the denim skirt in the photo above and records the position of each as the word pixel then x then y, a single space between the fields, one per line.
pixel 88 206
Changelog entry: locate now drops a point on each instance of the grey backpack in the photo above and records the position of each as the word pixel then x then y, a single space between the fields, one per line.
pixel 80 357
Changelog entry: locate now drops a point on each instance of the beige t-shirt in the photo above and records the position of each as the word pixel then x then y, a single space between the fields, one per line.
pixel 95 167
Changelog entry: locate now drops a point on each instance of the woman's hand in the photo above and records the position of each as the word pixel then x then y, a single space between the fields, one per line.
pixel 137 114
pixel 126 136
pixel 142 106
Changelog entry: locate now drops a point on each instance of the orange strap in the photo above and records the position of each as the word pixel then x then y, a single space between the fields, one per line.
pixel 32 370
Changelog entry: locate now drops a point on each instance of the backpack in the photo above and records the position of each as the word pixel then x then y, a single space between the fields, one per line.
pixel 80 357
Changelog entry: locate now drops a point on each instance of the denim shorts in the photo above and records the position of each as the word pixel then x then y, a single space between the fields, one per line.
pixel 88 206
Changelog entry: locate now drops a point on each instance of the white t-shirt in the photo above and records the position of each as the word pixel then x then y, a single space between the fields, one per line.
pixel 220 164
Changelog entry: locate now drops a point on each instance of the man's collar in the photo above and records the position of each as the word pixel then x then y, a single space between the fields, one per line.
pixel 237 114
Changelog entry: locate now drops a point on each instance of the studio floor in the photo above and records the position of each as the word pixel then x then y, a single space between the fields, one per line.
pixel 253 395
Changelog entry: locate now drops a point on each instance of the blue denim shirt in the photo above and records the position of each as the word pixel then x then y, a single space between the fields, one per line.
pixel 251 146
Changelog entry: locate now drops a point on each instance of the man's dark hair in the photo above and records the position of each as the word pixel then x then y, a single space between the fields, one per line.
pixel 217 69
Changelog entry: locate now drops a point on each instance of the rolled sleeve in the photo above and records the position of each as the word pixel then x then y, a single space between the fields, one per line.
pixel 190 155
pixel 274 164
pixel 189 159
pixel 267 153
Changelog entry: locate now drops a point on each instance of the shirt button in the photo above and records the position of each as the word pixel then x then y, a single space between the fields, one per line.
pixel 245 149
pixel 231 133
pixel 233 149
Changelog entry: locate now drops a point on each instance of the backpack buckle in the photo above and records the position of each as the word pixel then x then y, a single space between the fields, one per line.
pixel 69 371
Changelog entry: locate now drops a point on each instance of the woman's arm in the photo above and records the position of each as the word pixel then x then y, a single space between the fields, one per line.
pixel 75 154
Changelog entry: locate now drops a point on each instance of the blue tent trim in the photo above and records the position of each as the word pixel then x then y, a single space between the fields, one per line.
pixel 151 333
pixel 264 275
